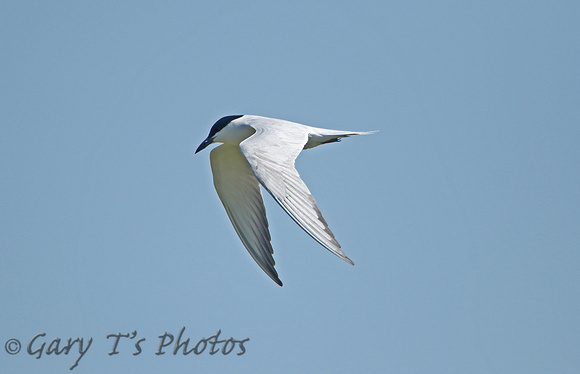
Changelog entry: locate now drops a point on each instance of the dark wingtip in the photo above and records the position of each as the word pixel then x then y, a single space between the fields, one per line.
pixel 277 280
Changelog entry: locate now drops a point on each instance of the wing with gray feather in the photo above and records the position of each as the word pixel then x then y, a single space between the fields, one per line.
pixel 271 153
pixel 239 191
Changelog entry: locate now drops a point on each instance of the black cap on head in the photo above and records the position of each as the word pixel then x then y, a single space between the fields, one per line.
pixel 221 123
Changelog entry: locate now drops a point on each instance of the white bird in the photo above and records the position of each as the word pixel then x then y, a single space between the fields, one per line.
pixel 259 150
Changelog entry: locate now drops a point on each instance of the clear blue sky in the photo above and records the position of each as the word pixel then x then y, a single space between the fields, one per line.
pixel 462 214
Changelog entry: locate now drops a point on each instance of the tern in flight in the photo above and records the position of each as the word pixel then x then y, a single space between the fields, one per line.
pixel 259 150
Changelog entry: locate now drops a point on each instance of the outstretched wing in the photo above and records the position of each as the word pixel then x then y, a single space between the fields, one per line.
pixel 271 152
pixel 239 191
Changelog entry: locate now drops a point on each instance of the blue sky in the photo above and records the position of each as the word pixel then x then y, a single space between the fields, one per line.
pixel 462 214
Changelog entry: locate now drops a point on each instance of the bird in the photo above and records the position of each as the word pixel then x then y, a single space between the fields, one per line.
pixel 256 151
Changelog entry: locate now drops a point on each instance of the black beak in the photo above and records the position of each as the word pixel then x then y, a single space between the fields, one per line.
pixel 204 144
